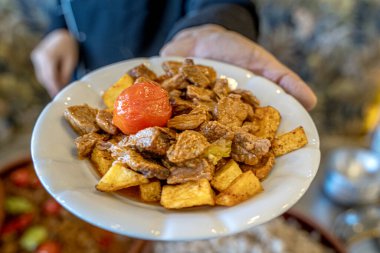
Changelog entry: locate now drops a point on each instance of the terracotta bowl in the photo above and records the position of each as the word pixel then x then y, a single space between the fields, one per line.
pixel 142 246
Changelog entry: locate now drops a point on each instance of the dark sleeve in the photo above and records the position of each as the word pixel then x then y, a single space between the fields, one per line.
pixel 236 15
pixel 56 18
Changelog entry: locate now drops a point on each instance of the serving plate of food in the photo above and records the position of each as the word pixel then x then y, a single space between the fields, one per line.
pixel 177 149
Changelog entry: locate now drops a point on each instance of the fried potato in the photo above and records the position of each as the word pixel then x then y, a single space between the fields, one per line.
pixel 195 193
pixel 150 192
pixel 114 91
pixel 242 188
pixel 268 120
pixel 262 170
pixel 289 142
pixel 225 175
pixel 102 160
pixel 120 177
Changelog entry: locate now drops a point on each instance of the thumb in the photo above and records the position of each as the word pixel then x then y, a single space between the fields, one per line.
pixel 66 70
pixel 179 47
pixel 265 64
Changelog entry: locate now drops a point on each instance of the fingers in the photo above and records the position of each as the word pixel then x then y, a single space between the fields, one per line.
pixel 67 67
pixel 55 59
pixel 265 64
pixel 46 71
pixel 215 42
pixel 184 43
pixel 183 47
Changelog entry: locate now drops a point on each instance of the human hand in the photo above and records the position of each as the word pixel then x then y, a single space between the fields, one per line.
pixel 215 42
pixel 54 60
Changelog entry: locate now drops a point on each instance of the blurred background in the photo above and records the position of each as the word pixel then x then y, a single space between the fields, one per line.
pixel 334 45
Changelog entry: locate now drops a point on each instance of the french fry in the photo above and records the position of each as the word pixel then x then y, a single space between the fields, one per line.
pixel 150 192
pixel 120 177
pixel 268 119
pixel 195 193
pixel 289 142
pixel 242 188
pixel 101 159
pixel 114 91
pixel 225 175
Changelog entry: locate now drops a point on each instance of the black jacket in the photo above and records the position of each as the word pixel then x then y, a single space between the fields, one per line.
pixel 113 30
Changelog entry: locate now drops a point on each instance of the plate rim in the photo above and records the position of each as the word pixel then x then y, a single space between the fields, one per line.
pixel 148 235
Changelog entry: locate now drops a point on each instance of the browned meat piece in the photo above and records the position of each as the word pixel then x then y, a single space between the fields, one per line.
pixel 263 168
pixel 231 111
pixel 199 93
pixel 142 71
pixel 188 62
pixel 213 131
pixel 248 149
pixel 156 140
pixel 221 88
pixel 268 119
pixel 210 105
pixel 189 145
pixel 195 76
pixel 180 106
pixel 171 68
pixel 247 97
pixel 161 78
pixel 82 118
pixel 189 121
pixel 104 121
pixel 191 170
pixel 175 93
pixel 137 162
pixel 86 143
pixel 176 82
pixel 209 72
pixel 250 127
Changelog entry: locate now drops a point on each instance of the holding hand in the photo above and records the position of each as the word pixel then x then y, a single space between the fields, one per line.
pixel 215 42
pixel 55 59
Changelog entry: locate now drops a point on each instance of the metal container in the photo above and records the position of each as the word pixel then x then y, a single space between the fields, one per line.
pixel 353 176
pixel 375 140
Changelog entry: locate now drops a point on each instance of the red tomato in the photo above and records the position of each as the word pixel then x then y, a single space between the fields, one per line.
pixel 51 207
pixel 140 106
pixel 21 177
pixel 105 241
pixel 49 247
pixel 35 182
pixel 17 224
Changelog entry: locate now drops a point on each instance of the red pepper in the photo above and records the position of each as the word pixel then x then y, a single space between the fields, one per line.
pixel 21 177
pixel 17 224
pixel 51 207
pixel 105 240
pixel 49 247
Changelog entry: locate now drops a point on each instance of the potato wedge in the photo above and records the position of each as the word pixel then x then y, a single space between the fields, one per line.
pixel 289 142
pixel 262 170
pixel 120 177
pixel 195 193
pixel 150 192
pixel 114 91
pixel 225 175
pixel 242 188
pixel 268 120
pixel 102 160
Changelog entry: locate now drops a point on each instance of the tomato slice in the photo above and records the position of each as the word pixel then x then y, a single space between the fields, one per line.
pixel 140 106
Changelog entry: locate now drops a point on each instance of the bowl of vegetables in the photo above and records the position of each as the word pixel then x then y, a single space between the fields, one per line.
pixel 32 221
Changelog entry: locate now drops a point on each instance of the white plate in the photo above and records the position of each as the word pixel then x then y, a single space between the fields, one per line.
pixel 72 181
